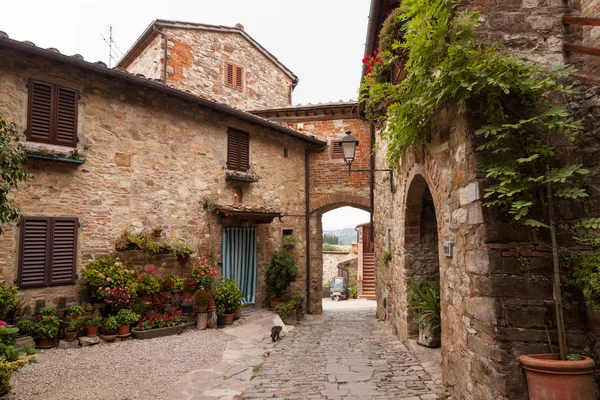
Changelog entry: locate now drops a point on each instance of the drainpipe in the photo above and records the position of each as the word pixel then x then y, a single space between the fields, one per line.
pixel 372 180
pixel 307 226
pixel 166 53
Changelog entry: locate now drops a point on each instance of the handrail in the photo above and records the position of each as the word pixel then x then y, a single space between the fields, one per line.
pixel 570 20
pixel 576 48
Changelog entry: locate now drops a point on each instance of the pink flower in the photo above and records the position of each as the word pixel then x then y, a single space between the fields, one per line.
pixel 149 270
pixel 4 324
pixel 139 278
pixel 99 287
pixel 82 267
pixel 107 288
pixel 100 276
pixel 108 279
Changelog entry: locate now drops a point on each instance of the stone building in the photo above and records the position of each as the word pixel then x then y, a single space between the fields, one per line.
pixel 160 141
pixel 492 312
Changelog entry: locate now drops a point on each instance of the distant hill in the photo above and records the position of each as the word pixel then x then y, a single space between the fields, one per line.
pixel 346 235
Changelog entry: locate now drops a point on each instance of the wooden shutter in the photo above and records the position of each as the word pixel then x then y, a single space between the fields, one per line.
pixel 64 250
pixel 238 150
pixel 41 107
pixel 238 77
pixel 35 251
pixel 66 116
pixel 229 76
pixel 336 149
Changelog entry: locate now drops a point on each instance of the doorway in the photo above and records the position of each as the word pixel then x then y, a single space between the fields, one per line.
pixel 239 260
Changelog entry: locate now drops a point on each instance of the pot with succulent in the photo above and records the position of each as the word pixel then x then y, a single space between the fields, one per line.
pixel 125 318
pixel 109 329
pixel 71 329
pixel 228 294
pixel 45 331
pixel 281 272
pixel 75 311
pixel 424 301
pixel 92 323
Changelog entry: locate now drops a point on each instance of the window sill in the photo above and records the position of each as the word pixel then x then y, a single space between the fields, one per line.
pixel 53 153
pixel 55 157
pixel 240 176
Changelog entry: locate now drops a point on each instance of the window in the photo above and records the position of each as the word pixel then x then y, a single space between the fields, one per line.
pixel 238 150
pixel 52 114
pixel 336 149
pixel 234 76
pixel 288 232
pixel 48 251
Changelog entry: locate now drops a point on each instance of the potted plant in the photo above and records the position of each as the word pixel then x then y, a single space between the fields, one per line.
pixel 75 311
pixel 228 294
pixel 203 299
pixel 45 330
pixel 157 231
pixel 424 300
pixel 220 316
pixel 48 311
pixel 71 329
pixel 288 241
pixel 92 324
pixel 26 326
pixel 167 284
pixel 188 288
pixel 204 273
pixel 287 312
pixel 282 271
pixel 186 306
pixel 125 318
pixel 117 298
pixel 148 284
pixel 299 306
pixel 109 331
pixel 9 301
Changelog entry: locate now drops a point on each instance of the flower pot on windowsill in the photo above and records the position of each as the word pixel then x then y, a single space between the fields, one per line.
pixel 548 377
pixel 75 316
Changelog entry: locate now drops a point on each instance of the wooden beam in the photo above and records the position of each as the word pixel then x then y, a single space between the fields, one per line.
pixel 569 20
pixel 575 48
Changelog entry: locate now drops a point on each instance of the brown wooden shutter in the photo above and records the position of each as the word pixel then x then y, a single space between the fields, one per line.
pixel 66 116
pixel 336 149
pixel 64 250
pixel 238 77
pixel 244 151
pixel 233 159
pixel 41 114
pixel 35 251
pixel 229 75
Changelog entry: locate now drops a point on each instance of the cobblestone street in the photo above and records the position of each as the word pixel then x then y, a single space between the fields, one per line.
pixel 343 354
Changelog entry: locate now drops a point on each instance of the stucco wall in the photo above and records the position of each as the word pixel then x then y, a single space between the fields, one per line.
pixel 151 160
pixel 150 61
pixel 196 62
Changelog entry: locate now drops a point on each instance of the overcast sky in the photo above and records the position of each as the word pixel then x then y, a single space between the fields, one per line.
pixel 321 41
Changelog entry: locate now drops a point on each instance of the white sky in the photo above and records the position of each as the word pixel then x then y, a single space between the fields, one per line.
pixel 344 217
pixel 321 41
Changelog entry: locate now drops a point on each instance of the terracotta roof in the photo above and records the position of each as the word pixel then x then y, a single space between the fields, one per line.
pixel 152 30
pixel 140 80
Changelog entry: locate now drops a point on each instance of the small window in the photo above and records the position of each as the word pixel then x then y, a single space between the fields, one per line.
pixel 234 76
pixel 238 150
pixel 48 251
pixel 336 149
pixel 285 153
pixel 288 232
pixel 52 114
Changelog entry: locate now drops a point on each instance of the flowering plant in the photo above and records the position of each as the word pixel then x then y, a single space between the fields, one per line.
pixel 108 272
pixel 148 282
pixel 202 297
pixel 189 285
pixel 204 273
pixel 167 284
pixel 371 62
pixel 118 298
pixel 170 318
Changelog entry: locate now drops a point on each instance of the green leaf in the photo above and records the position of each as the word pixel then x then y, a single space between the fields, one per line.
pixel 534 223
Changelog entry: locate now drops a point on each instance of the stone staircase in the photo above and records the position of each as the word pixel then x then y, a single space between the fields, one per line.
pixel 368 284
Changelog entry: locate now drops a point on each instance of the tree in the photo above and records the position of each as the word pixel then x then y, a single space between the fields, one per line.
pixel 12 156
pixel 331 239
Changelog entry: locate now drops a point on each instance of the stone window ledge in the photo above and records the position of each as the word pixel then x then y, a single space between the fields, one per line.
pixel 51 152
pixel 240 176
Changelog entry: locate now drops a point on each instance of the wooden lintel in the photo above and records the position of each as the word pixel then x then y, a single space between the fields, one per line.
pixel 569 20
pixel 576 48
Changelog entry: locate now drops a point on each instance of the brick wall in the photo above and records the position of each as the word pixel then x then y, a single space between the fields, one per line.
pixel 151 160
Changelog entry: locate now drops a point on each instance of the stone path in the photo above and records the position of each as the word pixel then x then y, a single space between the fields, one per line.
pixel 344 354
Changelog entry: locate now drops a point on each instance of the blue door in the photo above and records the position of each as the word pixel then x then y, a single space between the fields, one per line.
pixel 239 260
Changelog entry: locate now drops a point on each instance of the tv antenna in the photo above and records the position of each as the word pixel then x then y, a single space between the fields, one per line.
pixel 114 53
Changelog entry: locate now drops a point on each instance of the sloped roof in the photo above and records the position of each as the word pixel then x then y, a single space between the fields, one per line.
pixel 154 29
pixel 140 80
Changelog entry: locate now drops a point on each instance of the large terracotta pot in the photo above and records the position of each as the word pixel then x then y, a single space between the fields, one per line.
pixel 45 342
pixel 92 331
pixel 212 303
pixel 71 335
pixel 237 313
pixel 186 295
pixel 228 319
pixel 124 330
pixel 275 301
pixel 551 378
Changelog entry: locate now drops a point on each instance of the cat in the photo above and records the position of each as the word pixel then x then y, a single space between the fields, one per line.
pixel 275 331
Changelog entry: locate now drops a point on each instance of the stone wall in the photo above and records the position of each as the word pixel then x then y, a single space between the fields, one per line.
pixel 151 160
pixel 196 62
pixel 331 259
pixel 150 61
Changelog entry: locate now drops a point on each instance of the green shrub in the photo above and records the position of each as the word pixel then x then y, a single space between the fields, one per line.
pixel 47 327
pixel 424 300
pixel 8 368
pixel 228 293
pixel 288 241
pixel 282 271
pixel 586 277
pixel 285 309
pixel 9 301
pixel 127 317
pixel 353 290
pixel 26 326
pixel 110 323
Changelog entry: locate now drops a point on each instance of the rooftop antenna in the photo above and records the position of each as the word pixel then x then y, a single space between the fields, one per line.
pixel 112 53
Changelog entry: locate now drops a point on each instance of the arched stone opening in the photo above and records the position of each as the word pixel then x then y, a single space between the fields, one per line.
pixel 421 245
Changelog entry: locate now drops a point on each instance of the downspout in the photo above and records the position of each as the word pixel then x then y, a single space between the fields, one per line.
pixel 307 225
pixel 372 180
pixel 166 53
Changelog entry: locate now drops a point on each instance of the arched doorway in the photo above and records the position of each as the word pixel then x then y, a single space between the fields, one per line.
pixel 422 264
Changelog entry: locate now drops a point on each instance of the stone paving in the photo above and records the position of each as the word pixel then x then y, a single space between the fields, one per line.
pixel 344 354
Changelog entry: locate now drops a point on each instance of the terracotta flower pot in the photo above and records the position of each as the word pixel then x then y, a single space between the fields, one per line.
pixel 551 378
pixel 124 330
pixel 75 316
pixel 186 296
pixel 71 335
pixel 237 313
pixel 202 307
pixel 147 298
pixel 212 303
pixel 45 342
pixel 92 331
pixel 228 319
pixel 275 301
